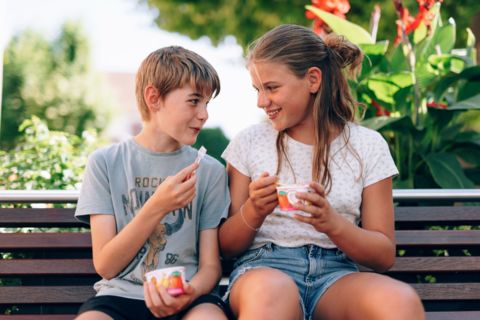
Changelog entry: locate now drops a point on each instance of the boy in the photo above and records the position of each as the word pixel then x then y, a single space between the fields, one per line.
pixel 151 206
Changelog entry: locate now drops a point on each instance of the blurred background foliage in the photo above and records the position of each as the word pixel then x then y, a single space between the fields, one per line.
pixel 52 88
pixel 54 81
pixel 247 20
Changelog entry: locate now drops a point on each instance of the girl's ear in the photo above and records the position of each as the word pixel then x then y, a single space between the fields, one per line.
pixel 152 98
pixel 314 78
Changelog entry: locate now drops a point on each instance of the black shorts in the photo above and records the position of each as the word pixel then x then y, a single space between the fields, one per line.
pixel 120 308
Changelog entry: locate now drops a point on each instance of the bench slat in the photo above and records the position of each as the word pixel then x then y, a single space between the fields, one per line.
pixel 457 315
pixel 82 240
pixel 45 241
pixel 448 291
pixel 460 214
pixel 45 295
pixel 433 264
pixel 39 317
pixel 39 217
pixel 20 267
pixel 437 237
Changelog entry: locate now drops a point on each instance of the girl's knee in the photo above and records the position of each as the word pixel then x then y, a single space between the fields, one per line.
pixel 394 300
pixel 265 294
pixel 265 283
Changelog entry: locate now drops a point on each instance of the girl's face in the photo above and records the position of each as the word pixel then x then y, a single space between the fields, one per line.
pixel 286 99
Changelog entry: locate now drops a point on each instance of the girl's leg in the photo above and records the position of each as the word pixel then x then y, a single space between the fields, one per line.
pixel 205 311
pixel 265 293
pixel 365 295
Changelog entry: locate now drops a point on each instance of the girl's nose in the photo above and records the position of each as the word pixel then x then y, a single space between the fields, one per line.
pixel 262 99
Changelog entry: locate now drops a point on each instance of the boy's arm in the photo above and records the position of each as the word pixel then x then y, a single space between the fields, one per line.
pixel 209 269
pixel 112 252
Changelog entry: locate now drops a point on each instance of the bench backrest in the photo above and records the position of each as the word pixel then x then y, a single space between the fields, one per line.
pixel 52 272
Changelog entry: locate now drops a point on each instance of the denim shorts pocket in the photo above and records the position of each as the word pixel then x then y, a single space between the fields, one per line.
pixel 250 256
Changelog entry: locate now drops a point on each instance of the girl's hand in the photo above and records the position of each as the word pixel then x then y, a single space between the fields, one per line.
pixel 162 304
pixel 263 194
pixel 175 192
pixel 322 216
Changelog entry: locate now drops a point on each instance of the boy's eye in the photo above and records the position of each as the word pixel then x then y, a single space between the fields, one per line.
pixel 194 101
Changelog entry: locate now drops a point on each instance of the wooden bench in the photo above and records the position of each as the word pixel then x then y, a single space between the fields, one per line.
pixel 47 275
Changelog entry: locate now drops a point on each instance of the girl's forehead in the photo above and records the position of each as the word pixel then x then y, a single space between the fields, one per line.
pixel 268 71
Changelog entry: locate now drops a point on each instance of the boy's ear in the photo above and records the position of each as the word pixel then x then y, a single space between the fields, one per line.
pixel 152 98
pixel 314 78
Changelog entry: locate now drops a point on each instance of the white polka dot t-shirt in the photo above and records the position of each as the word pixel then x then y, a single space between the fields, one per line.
pixel 253 151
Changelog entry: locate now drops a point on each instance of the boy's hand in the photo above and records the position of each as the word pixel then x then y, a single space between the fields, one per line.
pixel 263 194
pixel 175 192
pixel 162 304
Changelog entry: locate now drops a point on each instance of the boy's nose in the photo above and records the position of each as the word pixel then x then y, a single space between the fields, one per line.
pixel 202 113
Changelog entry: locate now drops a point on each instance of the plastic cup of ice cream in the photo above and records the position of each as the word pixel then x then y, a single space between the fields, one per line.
pixel 172 279
pixel 287 198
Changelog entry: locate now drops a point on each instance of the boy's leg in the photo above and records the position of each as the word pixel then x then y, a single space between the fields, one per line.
pixel 365 295
pixel 265 293
pixel 113 307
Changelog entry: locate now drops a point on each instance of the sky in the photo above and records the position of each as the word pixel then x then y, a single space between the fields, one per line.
pixel 122 33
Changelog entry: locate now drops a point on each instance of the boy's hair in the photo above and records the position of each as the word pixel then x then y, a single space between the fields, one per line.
pixel 299 48
pixel 170 68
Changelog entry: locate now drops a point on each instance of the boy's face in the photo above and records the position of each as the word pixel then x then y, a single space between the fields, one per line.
pixel 182 114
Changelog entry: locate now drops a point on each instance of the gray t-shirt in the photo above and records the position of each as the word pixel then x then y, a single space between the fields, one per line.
pixel 120 178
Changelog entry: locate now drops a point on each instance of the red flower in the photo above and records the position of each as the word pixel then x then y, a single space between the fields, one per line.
pixel 438 105
pixel 407 22
pixel 336 7
pixel 381 111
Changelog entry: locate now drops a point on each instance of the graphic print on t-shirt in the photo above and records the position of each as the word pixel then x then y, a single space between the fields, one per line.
pixel 147 258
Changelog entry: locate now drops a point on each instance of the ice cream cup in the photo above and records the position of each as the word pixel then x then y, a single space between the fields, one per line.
pixel 172 279
pixel 287 198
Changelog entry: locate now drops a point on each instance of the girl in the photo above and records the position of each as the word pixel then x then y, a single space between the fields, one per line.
pixel 303 265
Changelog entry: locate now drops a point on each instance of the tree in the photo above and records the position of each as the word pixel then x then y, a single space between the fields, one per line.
pixel 52 80
pixel 246 20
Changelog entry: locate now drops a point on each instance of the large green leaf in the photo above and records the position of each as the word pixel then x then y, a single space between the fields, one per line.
pixel 447 172
pixel 467 104
pixel 378 123
pixel 351 31
pixel 386 86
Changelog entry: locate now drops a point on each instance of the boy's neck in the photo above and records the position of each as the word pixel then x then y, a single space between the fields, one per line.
pixel 156 141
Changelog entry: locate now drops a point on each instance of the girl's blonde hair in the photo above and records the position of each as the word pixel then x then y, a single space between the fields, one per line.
pixel 171 68
pixel 299 48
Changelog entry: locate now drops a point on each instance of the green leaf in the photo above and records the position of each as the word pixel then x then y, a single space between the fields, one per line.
pixel 467 104
pixel 447 172
pixel 471 49
pixel 385 86
pixel 378 123
pixel 354 33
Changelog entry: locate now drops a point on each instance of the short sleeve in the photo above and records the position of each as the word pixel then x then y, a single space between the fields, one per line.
pixel 236 153
pixel 216 201
pixel 95 193
pixel 379 162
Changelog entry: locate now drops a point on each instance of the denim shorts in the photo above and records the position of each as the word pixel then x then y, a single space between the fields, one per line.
pixel 314 269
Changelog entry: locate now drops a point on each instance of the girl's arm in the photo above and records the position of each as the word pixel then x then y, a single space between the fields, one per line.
pixel 251 203
pixel 373 244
